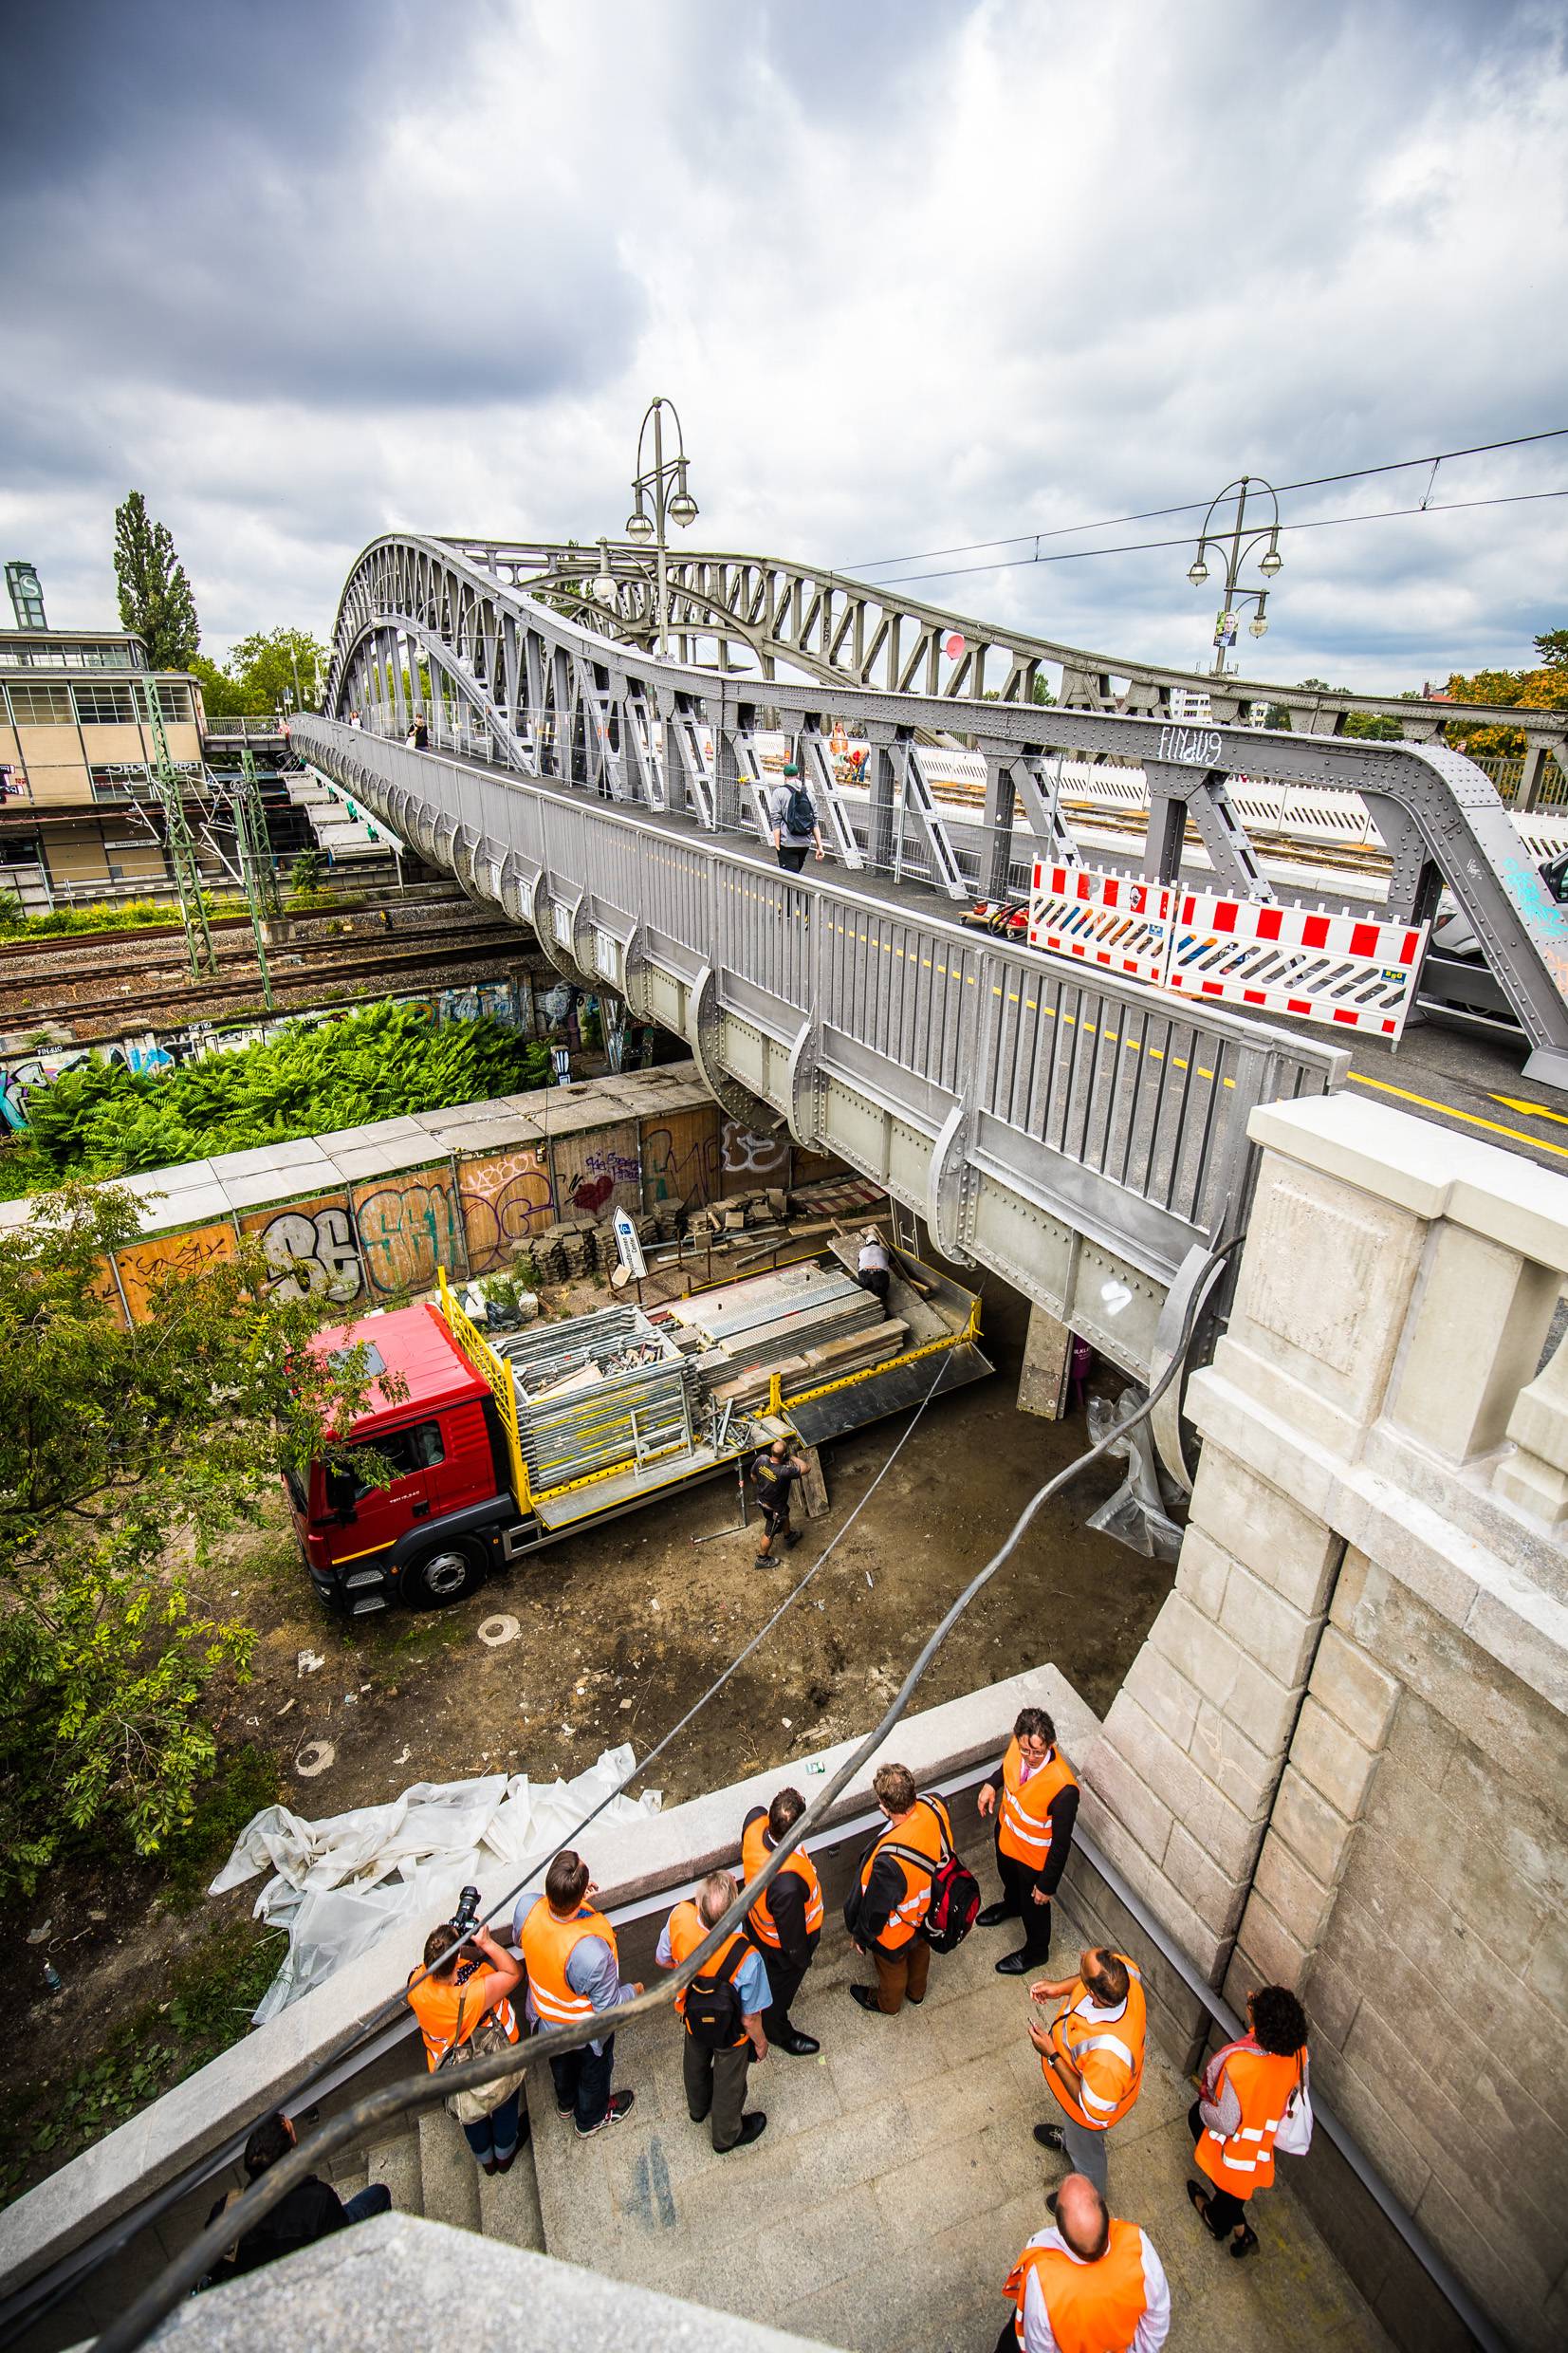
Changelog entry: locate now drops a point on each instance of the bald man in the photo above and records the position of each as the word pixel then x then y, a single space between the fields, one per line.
pixel 1088 2280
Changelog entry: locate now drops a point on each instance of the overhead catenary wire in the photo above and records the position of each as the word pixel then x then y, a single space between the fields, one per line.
pixel 1199 506
pixel 424 2090
pixel 1184 539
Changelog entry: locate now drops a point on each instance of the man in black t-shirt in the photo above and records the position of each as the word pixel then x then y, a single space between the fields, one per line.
pixel 311 2209
pixel 773 1475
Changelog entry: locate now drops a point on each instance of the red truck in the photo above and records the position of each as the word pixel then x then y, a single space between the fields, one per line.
pixel 497 1454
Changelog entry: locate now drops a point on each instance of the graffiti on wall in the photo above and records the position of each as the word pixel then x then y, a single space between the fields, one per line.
pixel 598 1172
pixel 313 1247
pixel 505 1199
pixel 147 1266
pixel 680 1158
pixel 408 1227
pixel 749 1160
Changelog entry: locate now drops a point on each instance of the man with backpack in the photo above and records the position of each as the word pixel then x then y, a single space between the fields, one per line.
pixel 722 2011
pixel 908 1875
pixel 794 816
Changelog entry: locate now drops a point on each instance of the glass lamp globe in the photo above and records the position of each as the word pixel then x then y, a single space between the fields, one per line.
pixel 1258 627
pixel 1272 563
pixel 1199 573
pixel 683 508
pixel 639 526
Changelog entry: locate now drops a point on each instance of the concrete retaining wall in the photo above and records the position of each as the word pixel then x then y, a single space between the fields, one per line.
pixel 1337 1762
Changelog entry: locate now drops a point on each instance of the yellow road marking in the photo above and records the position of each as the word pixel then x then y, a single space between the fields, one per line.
pixel 1534 1111
pixel 1493 1127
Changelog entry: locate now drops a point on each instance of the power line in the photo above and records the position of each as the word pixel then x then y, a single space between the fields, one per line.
pixel 1137 547
pixel 1191 506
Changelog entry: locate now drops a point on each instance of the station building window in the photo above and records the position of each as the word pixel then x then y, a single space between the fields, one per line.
pixel 39 706
pixel 105 706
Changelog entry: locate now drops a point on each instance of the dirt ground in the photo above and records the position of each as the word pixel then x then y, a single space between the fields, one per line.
pixel 620 1630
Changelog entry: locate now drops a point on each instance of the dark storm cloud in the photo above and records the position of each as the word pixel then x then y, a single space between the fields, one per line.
pixel 204 195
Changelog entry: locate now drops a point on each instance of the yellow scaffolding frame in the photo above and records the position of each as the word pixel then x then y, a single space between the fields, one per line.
pixel 497 1373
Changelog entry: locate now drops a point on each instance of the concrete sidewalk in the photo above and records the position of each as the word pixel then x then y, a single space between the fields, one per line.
pixel 898 2178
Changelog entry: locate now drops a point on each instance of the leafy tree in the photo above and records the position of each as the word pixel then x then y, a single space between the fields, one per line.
pixel 125 1452
pixel 1545 689
pixel 155 594
pixel 260 670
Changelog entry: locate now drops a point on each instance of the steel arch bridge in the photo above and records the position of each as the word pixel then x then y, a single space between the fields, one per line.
pixel 1082 1136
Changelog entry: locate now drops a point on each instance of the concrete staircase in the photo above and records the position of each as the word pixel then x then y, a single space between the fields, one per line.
pixel 431 2172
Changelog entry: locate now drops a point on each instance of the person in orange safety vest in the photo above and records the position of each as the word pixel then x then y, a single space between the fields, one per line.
pixel 463 1981
pixel 1088 2285
pixel 574 1970
pixel 716 2061
pixel 786 1920
pixel 1092 2055
pixel 1246 2089
pixel 1033 1794
pixel 891 1892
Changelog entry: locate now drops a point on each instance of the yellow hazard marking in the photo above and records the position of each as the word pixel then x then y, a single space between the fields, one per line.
pixel 1471 1119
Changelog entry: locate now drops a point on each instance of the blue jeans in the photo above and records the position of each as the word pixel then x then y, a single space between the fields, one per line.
pixel 583 2083
pixel 366 2203
pixel 495 2136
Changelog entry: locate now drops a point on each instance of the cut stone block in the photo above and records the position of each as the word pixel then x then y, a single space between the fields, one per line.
pixel 1300 1903
pixel 1313 1830
pixel 1331 1758
pixel 1354 1688
pixel 1268 1628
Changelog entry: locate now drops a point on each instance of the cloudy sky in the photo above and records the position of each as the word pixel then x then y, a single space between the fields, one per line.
pixel 916 275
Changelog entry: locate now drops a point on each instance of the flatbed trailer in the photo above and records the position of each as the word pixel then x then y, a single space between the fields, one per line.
pixel 504 1446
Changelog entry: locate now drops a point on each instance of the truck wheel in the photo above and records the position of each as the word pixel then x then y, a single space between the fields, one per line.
pixel 450 1573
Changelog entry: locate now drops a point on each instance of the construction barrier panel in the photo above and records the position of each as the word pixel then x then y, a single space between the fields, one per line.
pixel 1352 974
pixel 1119 923
pixel 1332 967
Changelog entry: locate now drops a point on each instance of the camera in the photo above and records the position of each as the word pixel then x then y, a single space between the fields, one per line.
pixel 468 1910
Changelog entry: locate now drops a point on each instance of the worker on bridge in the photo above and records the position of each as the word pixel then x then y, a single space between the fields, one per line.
pixel 892 1891
pixel 773 1475
pixel 1090 2282
pixel 786 1919
pixel 574 1970
pixel 1092 2055
pixel 467 1979
pixel 873 1266
pixel 1248 2088
pixel 1038 1794
pixel 722 2011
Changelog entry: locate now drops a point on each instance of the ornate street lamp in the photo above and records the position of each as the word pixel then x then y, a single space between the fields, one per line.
pixel 661 487
pixel 1232 546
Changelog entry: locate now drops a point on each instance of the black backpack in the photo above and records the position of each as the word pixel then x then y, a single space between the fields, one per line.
pixel 800 811
pixel 954 1893
pixel 713 2012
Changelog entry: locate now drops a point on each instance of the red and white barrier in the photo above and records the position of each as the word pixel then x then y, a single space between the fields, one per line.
pixel 1117 922
pixel 1336 968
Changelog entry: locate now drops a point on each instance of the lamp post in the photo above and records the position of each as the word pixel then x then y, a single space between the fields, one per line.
pixel 1232 546
pixel 662 486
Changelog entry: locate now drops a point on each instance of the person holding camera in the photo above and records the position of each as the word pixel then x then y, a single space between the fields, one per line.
pixel 463 2002
pixel 722 2010
pixel 574 1970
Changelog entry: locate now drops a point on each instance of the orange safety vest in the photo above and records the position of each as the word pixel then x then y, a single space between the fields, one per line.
pixel 754 1853
pixel 1093 2307
pixel 1023 1819
pixel 547 1944
pixel 916 1846
pixel 1108 2054
pixel 435 2003
pixel 1262 2082
pixel 687 1930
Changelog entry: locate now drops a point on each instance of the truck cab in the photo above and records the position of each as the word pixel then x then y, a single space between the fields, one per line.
pixel 449 1515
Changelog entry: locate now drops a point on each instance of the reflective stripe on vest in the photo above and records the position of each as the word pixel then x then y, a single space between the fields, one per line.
pixel 754 1853
pixel 925 1835
pixel 437 2003
pixel 1091 2307
pixel 1262 2082
pixel 547 1946
pixel 1076 2037
pixel 1023 1819
pixel 687 1930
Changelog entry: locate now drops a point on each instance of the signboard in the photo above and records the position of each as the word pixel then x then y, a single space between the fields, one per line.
pixel 629 1247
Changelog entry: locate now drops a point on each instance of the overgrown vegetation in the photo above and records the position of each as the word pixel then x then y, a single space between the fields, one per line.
pixel 129 916
pixel 206 2007
pixel 126 1452
pixel 102 1120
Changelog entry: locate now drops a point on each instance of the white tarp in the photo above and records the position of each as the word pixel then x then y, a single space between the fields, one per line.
pixel 337 1884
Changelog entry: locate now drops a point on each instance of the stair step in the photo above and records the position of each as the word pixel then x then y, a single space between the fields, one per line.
pixel 349 2171
pixel 449 2175
pixel 509 2204
pixel 397 2164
